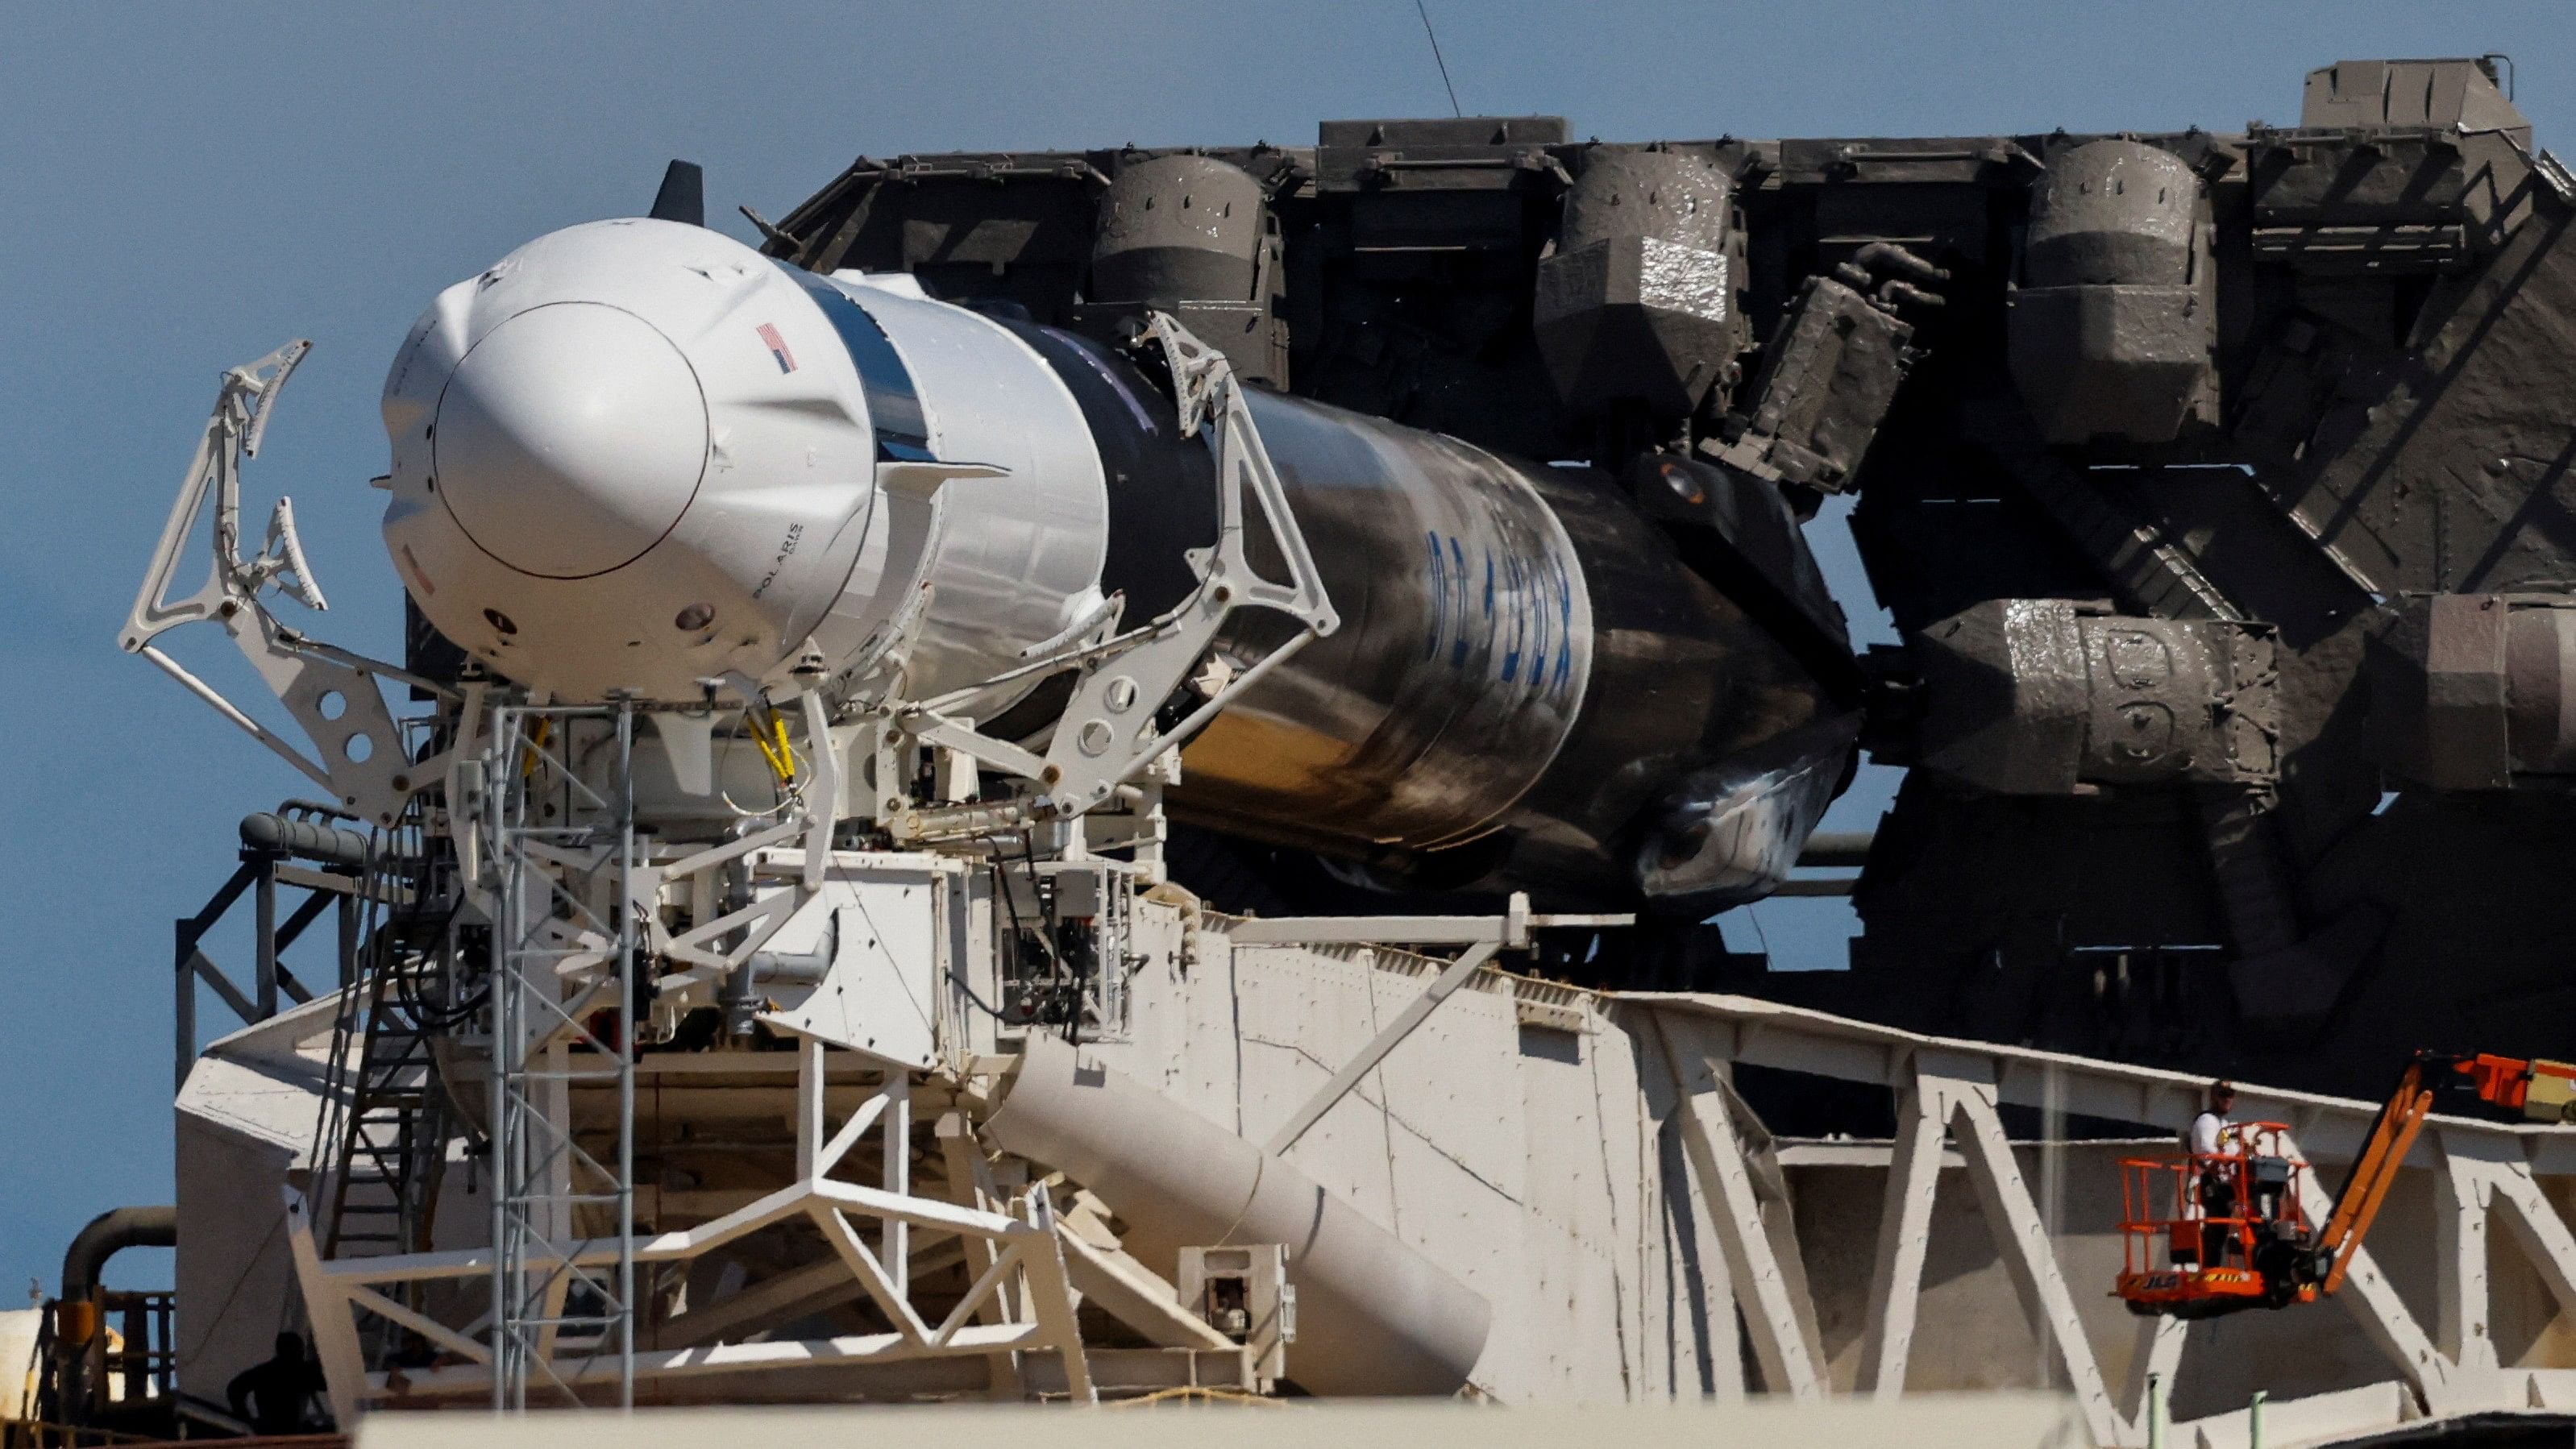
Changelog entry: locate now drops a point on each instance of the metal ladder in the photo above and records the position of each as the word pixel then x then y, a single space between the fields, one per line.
pixel 386 1117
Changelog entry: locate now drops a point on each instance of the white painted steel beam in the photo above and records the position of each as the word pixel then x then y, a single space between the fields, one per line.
pixel 326 1310
pixel 803 1353
pixel 1791 1361
pixel 1051 1297
pixel 970 1185
pixel 2373 1301
pixel 1904 1232
pixel 2538 1230
pixel 770 1298
pixel 1136 1296
pixel 2462 1190
pixel 1510 929
pixel 1799 1039
pixel 2021 1239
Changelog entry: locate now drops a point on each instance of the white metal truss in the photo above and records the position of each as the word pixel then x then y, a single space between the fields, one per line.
pixel 1021 1300
pixel 1107 737
pixel 1949 1095
pixel 560 860
pixel 850 1192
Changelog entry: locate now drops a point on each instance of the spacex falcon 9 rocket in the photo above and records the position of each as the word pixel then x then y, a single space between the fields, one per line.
pixel 636 456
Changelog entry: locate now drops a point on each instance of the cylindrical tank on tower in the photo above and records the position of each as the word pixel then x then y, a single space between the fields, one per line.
pixel 1636 305
pixel 2112 325
pixel 1193 236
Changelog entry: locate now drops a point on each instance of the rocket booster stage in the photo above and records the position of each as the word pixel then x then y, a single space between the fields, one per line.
pixel 639 456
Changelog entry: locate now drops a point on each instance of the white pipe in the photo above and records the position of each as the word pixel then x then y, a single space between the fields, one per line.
pixel 1375 1317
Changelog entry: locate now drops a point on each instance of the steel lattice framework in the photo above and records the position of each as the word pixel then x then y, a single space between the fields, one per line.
pixel 561 857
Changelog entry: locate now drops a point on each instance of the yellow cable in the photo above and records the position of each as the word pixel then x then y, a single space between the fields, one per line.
pixel 775 749
pixel 536 743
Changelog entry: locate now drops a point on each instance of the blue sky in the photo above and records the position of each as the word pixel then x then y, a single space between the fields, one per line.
pixel 189 185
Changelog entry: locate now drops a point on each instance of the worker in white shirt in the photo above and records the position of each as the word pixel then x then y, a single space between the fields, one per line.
pixel 2211 1140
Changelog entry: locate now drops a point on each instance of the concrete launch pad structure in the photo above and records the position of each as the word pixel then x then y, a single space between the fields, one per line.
pixel 1668 1249
pixel 1105 774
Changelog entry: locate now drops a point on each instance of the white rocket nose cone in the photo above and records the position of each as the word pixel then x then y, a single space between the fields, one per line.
pixel 570 440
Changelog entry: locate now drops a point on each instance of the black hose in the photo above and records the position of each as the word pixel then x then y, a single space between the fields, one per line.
pixel 313 840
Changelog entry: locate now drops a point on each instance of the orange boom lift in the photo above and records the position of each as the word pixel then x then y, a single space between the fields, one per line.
pixel 2209 1233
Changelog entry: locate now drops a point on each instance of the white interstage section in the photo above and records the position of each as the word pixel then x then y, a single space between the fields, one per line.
pixel 1576 1160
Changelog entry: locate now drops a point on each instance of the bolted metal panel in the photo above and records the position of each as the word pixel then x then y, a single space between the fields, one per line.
pixel 2470 690
pixel 1828 376
pixel 1178 228
pixel 2113 212
pixel 1193 236
pixel 2440 177
pixel 2450 92
pixel 2111 335
pixel 2040 697
pixel 2540 688
pixel 1639 300
pixel 1444 134
pixel 2109 361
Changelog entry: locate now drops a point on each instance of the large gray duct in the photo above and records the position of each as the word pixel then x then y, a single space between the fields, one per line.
pixel 1374 1317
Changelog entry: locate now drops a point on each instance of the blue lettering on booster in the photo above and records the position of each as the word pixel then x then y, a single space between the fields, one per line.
pixel 1527 605
pixel 1438 593
pixel 1458 579
pixel 1565 628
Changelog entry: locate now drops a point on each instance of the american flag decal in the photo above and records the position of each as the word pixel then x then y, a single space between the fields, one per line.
pixel 777 347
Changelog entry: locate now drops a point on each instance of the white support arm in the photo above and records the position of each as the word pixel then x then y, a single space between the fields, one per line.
pixel 357 751
pixel 1107 734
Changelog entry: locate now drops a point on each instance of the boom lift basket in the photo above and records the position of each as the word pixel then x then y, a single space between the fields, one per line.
pixel 2203 1234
